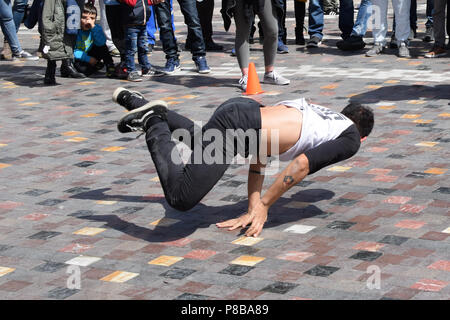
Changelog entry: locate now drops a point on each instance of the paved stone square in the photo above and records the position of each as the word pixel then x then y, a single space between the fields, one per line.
pixel 80 201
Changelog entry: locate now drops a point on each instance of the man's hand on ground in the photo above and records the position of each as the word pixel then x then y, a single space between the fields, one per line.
pixel 257 217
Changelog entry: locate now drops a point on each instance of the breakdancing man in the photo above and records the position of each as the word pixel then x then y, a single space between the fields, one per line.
pixel 308 135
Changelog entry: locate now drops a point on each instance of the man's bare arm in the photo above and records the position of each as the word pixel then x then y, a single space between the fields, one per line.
pixel 255 183
pixel 295 172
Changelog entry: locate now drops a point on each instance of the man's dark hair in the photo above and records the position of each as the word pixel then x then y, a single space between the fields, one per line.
pixel 362 116
pixel 90 9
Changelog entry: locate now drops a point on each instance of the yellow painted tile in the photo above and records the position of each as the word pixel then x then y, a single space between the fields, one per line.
pixel 247 241
pixel 169 98
pixel 29 104
pixel 8 83
pixel 446 115
pixel 165 260
pixel 426 144
pixel 415 63
pixel 3 145
pixel 416 101
pixel 392 81
pixel 436 171
pixel 330 86
pixel 351 95
pixel 106 202
pixel 422 121
pixel 86 83
pixel 247 260
pixel 378 60
pixel 113 149
pixel 71 133
pixel 446 230
pixel 155 179
pixel 164 222
pixel 4 165
pixel 9 87
pixel 189 96
pixel 89 231
pixel 120 276
pixel 387 107
pixel 372 86
pixel 22 99
pixel 89 115
pixel 5 270
pixel 76 139
pixel 339 169
pixel 411 116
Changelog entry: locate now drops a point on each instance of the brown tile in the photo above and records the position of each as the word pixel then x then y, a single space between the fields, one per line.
pixel 14 285
pixel 287 275
pixel 323 178
pixel 201 244
pixel 401 293
pixel 366 264
pixel 421 253
pixel 363 219
pixel 435 236
pixel 96 274
pixel 193 287
pixel 391 258
pixel 321 240
pixel 153 248
pixel 404 186
pixel 385 213
pixel 322 260
pixel 363 227
pixel 440 204
pixel 319 249
pixel 119 254
pixel 368 204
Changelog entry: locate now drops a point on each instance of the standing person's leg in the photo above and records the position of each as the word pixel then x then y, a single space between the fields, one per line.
pixel 105 26
pixel 315 22
pixel 166 34
pixel 142 47
pixel 131 34
pixel 241 41
pixel 19 8
pixel 151 29
pixel 413 18
pixel 282 32
pixel 300 10
pixel 402 9
pixel 113 17
pixel 439 23
pixel 346 18
pixel 268 18
pixel 429 23
pixel 191 19
pixel 355 41
pixel 8 27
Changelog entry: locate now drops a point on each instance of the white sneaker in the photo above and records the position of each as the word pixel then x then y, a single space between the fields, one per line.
pixel 274 78
pixel 243 82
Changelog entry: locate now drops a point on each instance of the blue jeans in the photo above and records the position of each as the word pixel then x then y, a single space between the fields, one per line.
pixel 364 14
pixel 19 11
pixel 166 32
pixel 429 13
pixel 315 21
pixel 8 27
pixel 152 25
pixel 136 40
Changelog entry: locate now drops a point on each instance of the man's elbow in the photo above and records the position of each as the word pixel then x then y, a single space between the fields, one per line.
pixel 302 165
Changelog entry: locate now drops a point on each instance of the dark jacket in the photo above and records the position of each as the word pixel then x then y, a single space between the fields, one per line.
pixel 135 12
pixel 251 7
pixel 54 36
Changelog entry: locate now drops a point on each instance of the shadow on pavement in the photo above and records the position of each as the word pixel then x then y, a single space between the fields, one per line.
pixel 203 216
pixel 404 92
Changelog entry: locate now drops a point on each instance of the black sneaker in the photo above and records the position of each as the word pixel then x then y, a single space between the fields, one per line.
pixel 152 72
pixel 136 120
pixel 314 42
pixel 352 43
pixel 128 99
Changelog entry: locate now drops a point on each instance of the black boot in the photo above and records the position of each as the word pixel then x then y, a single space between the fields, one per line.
pixel 50 73
pixel 69 71
pixel 299 8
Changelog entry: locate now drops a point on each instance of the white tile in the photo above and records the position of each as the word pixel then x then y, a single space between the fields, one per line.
pixel 83 261
pixel 299 228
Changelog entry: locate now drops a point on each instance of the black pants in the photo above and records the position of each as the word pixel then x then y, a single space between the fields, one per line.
pixel 185 185
pixel 114 18
pixel 99 53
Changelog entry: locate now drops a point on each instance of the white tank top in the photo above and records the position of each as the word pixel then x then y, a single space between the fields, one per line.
pixel 319 125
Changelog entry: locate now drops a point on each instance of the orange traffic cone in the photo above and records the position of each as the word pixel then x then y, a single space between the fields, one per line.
pixel 253 86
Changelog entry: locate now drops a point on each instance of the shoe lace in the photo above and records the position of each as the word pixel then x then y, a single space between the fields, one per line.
pixel 243 80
